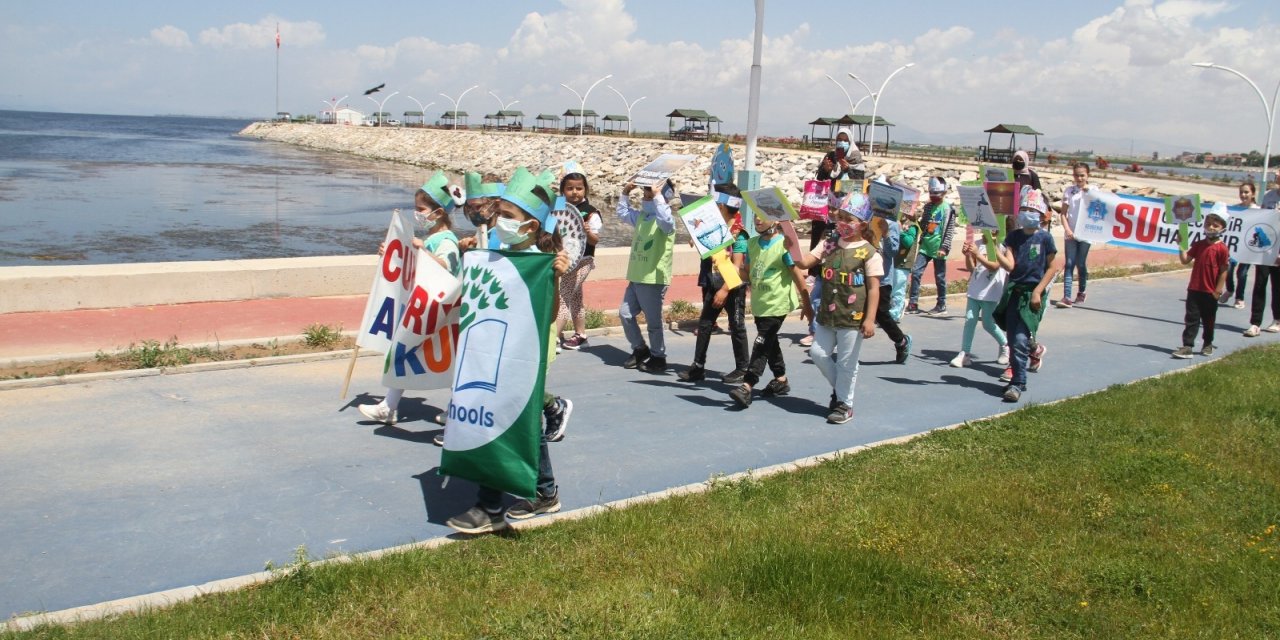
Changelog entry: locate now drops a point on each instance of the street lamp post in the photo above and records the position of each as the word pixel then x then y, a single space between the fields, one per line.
pixel 382 104
pixel 458 102
pixel 630 106
pixel 875 100
pixel 502 107
pixel 582 120
pixel 844 91
pixel 333 107
pixel 1270 111
pixel 421 108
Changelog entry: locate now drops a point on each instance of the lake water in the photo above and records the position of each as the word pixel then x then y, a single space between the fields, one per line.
pixel 95 189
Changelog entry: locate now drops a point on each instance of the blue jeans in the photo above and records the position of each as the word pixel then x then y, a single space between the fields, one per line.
pixel 1019 335
pixel 490 499
pixel 1077 253
pixel 939 277
pixel 646 299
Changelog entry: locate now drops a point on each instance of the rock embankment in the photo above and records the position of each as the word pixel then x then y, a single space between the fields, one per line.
pixel 608 161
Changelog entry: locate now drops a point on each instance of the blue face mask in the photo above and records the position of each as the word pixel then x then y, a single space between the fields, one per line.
pixel 1029 219
pixel 842 145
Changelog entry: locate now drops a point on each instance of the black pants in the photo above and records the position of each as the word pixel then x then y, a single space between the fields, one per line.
pixel 1201 307
pixel 884 319
pixel 1238 279
pixel 1261 275
pixel 735 308
pixel 766 349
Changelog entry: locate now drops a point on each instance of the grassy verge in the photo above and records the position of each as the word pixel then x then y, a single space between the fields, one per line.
pixel 1143 511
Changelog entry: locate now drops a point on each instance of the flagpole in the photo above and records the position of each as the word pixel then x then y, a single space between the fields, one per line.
pixel 277 70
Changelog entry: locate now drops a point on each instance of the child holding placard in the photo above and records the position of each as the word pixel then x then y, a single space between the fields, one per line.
pixel 648 273
pixel 1208 281
pixel 986 286
pixel 717 295
pixel 775 281
pixel 850 272
pixel 1030 260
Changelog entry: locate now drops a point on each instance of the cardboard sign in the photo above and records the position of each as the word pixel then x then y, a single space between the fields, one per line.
pixel 1182 211
pixel 813 204
pixel 722 165
pixel 660 170
pixel 910 198
pixel 988 173
pixel 706 226
pixel 977 207
pixel 772 204
pixel 885 200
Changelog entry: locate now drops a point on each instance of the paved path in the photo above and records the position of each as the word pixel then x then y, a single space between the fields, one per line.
pixel 115 488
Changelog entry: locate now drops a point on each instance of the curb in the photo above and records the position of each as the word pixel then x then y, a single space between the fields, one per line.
pixel 163 599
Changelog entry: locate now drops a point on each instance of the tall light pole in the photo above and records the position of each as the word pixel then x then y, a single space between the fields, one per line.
pixel 749 178
pixel 1270 111
pixel 582 119
pixel 421 108
pixel 875 101
pixel 859 103
pixel 458 102
pixel 844 91
pixel 630 106
pixel 502 107
pixel 333 107
pixel 382 104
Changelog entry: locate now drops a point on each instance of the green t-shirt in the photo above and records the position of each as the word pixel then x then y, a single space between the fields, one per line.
pixel 773 293
pixel 651 251
pixel 933 224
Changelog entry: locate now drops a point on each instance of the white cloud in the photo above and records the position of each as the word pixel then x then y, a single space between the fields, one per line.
pixel 171 36
pixel 263 34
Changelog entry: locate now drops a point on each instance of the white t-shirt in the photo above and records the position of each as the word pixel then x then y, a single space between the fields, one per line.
pixel 1074 197
pixel 987 285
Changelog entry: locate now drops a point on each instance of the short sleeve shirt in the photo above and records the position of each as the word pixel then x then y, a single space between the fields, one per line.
pixel 1030 255
pixel 1210 259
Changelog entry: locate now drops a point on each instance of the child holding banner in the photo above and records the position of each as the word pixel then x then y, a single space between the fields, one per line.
pixel 1031 266
pixel 938 224
pixel 717 295
pixel 850 272
pixel 432 205
pixel 986 286
pixel 574 188
pixel 1238 273
pixel 775 280
pixel 648 273
pixel 1262 274
pixel 521 214
pixel 1208 281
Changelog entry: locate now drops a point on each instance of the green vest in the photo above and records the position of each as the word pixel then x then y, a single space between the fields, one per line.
pixel 844 286
pixel 772 291
pixel 433 242
pixel 651 250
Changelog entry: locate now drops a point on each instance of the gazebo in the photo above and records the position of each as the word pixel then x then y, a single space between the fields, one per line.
pixel 829 135
pixel 380 118
pixel 576 119
pixel 695 124
pixel 414 118
pixel 546 123
pixel 498 121
pixel 617 124
pixel 861 123
pixel 1005 156
pixel 450 118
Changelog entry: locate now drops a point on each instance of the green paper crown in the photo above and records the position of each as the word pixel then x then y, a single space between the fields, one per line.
pixel 477 189
pixel 436 188
pixel 520 192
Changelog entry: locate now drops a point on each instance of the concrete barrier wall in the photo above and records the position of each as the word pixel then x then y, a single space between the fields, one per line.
pixel 61 288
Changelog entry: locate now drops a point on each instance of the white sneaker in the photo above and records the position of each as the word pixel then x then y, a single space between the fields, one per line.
pixel 1274 327
pixel 1003 358
pixel 378 413
pixel 961 360
pixel 1252 331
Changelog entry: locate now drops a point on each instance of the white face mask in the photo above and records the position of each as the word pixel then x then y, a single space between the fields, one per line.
pixel 509 231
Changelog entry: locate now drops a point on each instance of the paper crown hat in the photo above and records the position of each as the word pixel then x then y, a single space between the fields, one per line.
pixel 1219 210
pixel 437 188
pixel 1032 199
pixel 571 166
pixel 856 205
pixel 937 185
pixel 523 190
pixel 477 189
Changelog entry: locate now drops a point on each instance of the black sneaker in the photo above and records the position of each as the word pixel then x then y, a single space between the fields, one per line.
pixel 477 520
pixel 557 419
pixel 776 387
pixel 903 350
pixel 741 394
pixel 654 365
pixel 737 376
pixel 938 311
pixel 637 356
pixel 841 414
pixel 693 374
pixel 530 508
pixel 1012 393
pixel 831 406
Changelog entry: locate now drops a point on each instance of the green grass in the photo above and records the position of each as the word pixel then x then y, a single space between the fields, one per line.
pixel 151 354
pixel 1144 511
pixel 321 335
pixel 594 318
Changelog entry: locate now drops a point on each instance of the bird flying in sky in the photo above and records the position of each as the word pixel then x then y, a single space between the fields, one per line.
pixel 375 89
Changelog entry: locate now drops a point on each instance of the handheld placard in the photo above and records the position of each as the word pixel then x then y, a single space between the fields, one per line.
pixel 732 279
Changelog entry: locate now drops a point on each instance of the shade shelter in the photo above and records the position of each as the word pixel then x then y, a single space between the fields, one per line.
pixel 578 119
pixel 861 124
pixel 1005 155
pixel 414 119
pixel 380 118
pixel 695 124
pixel 505 120
pixel 615 124
pixel 827 136
pixel 546 123
pixel 450 118
pixel 284 116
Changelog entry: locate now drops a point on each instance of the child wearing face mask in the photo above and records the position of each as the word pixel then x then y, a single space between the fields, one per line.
pixel 717 296
pixel 1208 281
pixel 442 245
pixel 937 226
pixel 777 287
pixel 850 271
pixel 1029 257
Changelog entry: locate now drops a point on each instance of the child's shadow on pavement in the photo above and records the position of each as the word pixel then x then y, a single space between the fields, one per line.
pixel 446 501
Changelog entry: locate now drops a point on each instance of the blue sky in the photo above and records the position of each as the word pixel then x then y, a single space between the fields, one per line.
pixel 1108 69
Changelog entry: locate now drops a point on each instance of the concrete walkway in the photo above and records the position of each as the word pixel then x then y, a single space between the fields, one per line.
pixel 121 487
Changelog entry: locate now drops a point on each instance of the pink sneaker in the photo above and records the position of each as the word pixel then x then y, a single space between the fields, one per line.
pixel 1064 303
pixel 806 341
pixel 575 342
pixel 1037 358
pixel 1079 298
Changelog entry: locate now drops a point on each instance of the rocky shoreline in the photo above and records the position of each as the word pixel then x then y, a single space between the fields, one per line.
pixel 609 161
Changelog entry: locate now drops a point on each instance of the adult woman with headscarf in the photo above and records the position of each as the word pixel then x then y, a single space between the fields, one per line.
pixel 843 162
pixel 1022 171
